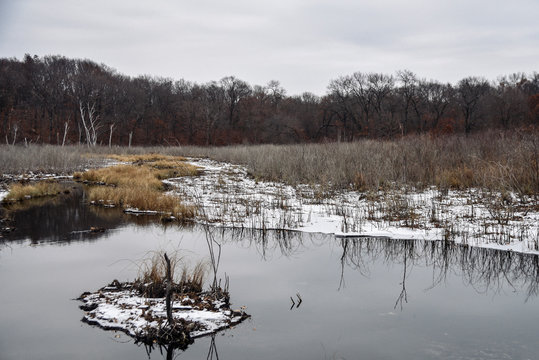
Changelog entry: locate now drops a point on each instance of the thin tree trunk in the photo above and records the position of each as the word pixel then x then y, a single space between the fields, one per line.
pixel 168 298
pixel 66 127
pixel 15 128
pixel 110 135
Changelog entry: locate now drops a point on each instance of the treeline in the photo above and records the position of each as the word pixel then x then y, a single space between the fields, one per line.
pixel 57 100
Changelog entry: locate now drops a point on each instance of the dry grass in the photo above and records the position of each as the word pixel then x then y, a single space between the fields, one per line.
pixel 456 178
pixel 140 186
pixel 494 160
pixel 152 276
pixel 19 192
pixel 152 157
pixel 44 159
pixel 168 169
pixel 142 199
pixel 143 173
pixel 141 177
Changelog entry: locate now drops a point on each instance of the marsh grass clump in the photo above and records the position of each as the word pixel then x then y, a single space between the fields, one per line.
pixel 141 198
pixel 139 186
pixel 19 192
pixel 145 173
pixel 152 279
pixel 122 175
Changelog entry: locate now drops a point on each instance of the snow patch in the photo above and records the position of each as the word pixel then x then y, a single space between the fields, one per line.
pixel 138 316
pixel 227 196
pixel 3 195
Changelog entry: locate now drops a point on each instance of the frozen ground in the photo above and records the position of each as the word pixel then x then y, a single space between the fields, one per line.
pixel 128 311
pixel 229 197
pixel 3 194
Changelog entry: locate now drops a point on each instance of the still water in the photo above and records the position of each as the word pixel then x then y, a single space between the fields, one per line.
pixel 362 298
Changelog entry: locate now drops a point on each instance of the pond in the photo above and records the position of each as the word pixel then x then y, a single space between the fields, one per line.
pixel 366 298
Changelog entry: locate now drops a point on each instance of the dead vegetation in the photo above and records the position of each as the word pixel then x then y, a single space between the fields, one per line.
pixel 151 157
pixel 152 279
pixel 20 192
pixel 139 185
pixel 490 159
pixel 157 287
pixel 493 160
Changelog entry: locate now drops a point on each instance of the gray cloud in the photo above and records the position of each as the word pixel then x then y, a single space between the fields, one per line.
pixel 302 43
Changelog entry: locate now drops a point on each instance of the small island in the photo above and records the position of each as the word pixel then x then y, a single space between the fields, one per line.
pixel 154 309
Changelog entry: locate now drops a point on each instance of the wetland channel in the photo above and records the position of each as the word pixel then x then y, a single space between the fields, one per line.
pixel 362 298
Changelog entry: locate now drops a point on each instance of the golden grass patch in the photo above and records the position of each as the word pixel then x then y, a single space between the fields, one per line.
pixel 142 199
pixel 139 185
pixel 20 192
pixel 122 175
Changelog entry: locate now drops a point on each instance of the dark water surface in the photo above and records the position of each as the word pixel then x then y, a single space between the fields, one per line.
pixel 362 298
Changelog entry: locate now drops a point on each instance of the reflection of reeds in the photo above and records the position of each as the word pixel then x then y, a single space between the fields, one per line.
pixel 28 204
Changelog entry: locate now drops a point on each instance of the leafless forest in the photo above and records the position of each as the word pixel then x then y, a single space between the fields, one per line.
pixel 56 100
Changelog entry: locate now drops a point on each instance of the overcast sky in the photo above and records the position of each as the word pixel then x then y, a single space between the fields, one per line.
pixel 302 43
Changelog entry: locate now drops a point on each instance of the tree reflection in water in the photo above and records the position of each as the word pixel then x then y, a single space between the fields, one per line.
pixel 482 268
pixel 171 352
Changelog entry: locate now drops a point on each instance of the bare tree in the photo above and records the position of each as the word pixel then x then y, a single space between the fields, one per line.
pixel 213 106
pixel 438 98
pixel 15 128
pixel 66 127
pixel 509 100
pixel 110 134
pixel 234 91
pixel 471 91
pixel 90 122
pixel 409 94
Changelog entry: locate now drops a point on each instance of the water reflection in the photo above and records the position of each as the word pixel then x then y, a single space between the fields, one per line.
pixel 320 264
pixel 65 218
pixel 170 352
pixel 275 242
pixel 482 268
pixel 486 270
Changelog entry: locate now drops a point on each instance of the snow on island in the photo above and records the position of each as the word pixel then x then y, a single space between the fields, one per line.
pixel 120 306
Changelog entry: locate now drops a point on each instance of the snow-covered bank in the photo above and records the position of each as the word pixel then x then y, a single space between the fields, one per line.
pixel 229 197
pixel 3 194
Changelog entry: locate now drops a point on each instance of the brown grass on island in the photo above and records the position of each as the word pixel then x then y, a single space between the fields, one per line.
pixel 139 186
pixel 19 192
pixel 151 281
